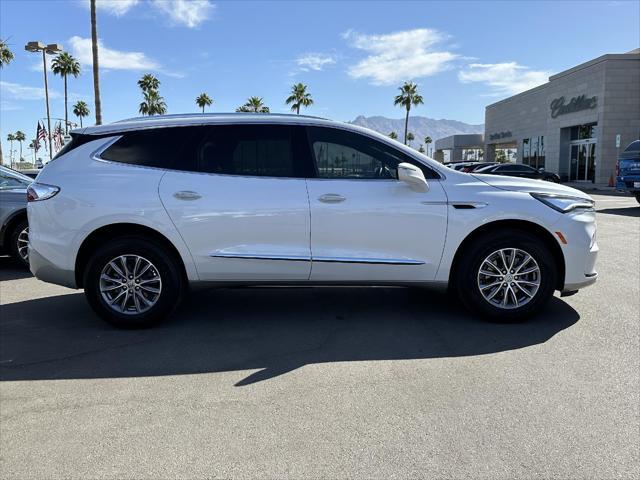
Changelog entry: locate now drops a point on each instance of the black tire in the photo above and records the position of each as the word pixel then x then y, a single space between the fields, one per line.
pixel 638 197
pixel 468 266
pixel 165 266
pixel 16 243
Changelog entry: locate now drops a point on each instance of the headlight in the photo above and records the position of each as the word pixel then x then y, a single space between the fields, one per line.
pixel 563 203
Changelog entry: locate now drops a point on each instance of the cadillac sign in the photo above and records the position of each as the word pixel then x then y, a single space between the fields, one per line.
pixel 560 107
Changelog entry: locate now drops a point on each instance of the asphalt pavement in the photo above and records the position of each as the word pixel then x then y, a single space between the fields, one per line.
pixel 327 382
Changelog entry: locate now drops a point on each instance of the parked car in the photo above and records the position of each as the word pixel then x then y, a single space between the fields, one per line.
pixel 519 170
pixel 135 211
pixel 14 230
pixel 474 167
pixel 459 165
pixel 628 170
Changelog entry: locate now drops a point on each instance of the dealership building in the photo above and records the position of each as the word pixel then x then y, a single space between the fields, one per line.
pixel 574 125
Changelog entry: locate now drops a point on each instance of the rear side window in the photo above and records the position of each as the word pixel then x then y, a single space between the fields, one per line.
pixel 160 147
pixel 251 150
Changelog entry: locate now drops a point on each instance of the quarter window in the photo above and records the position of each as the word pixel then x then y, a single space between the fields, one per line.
pixel 346 155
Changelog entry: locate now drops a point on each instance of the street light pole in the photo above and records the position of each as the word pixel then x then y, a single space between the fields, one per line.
pixel 50 49
pixel 46 96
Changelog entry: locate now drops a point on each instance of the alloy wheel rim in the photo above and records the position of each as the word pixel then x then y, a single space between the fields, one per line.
pixel 130 284
pixel 23 244
pixel 509 278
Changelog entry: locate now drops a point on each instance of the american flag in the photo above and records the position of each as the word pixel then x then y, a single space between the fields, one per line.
pixel 41 134
pixel 57 137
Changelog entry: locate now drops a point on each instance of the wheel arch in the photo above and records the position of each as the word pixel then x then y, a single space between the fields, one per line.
pixel 9 224
pixel 523 225
pixel 115 230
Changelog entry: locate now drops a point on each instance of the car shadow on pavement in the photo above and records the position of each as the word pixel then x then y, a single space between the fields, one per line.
pixel 10 269
pixel 626 211
pixel 271 330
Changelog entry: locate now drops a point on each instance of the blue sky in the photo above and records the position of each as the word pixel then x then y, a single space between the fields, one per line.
pixel 352 55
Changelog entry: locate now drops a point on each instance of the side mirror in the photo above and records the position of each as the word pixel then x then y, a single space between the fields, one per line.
pixel 413 176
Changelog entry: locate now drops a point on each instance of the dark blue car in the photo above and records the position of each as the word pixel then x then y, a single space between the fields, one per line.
pixel 628 170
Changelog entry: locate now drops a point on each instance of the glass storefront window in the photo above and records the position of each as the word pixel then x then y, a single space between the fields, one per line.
pixel 526 149
pixel 533 151
pixel 583 132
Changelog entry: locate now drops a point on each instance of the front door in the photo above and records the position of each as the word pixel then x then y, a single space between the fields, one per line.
pixel 366 226
pixel 583 161
pixel 244 211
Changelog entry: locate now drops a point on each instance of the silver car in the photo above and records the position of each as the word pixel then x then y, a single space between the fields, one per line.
pixel 14 230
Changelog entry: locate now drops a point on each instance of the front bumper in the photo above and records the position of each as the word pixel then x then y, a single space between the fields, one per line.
pixel 580 251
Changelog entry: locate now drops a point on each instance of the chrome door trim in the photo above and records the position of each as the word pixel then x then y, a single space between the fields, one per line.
pixel 301 258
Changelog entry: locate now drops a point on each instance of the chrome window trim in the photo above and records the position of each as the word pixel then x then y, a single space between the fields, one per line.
pixel 321 259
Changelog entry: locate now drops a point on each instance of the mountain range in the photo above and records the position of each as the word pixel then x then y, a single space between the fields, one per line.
pixel 419 126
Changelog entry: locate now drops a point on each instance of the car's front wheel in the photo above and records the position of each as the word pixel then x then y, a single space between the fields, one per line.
pixel 132 282
pixel 506 276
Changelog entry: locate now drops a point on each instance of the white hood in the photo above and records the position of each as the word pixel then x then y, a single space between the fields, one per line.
pixel 518 184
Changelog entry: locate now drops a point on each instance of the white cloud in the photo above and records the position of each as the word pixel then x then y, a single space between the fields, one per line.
pixel 189 13
pixel 16 91
pixel 506 78
pixel 114 7
pixel 399 56
pixel 108 58
pixel 314 61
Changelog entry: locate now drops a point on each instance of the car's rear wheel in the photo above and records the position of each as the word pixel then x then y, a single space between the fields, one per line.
pixel 19 242
pixel 133 283
pixel 506 276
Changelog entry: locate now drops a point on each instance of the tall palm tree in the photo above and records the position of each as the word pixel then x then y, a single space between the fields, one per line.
pixel 428 141
pixel 149 82
pixel 153 104
pixel 408 97
pixel 20 137
pixel 254 105
pixel 6 57
pixel 11 138
pixel 203 100
pixel 81 109
pixel 393 136
pixel 94 51
pixel 65 65
pixel 299 97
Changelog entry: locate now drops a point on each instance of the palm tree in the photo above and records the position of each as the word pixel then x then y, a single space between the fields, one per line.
pixel 410 138
pixel 428 141
pixel 94 51
pixel 6 57
pixel 153 104
pixel 149 82
pixel 421 149
pixel 203 100
pixel 65 65
pixel 20 137
pixel 408 97
pixel 11 138
pixel 393 135
pixel 299 97
pixel 254 105
pixel 81 109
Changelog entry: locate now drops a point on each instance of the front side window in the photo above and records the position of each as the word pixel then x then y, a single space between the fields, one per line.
pixel 340 154
pixel 9 182
pixel 250 150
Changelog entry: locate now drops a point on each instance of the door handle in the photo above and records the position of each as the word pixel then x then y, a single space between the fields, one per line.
pixel 331 198
pixel 187 195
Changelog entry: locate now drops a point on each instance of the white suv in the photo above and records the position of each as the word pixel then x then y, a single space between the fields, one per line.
pixel 136 210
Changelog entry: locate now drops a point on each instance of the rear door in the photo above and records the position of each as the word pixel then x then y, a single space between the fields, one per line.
pixel 244 210
pixel 367 226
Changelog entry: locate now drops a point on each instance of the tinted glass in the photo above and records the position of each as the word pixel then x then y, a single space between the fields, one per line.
pixel 250 150
pixel 347 155
pixel 8 182
pixel 159 147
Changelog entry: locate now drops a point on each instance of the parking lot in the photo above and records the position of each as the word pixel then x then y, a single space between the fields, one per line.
pixel 327 382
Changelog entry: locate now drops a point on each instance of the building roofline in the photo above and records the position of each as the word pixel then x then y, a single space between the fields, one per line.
pixel 632 55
